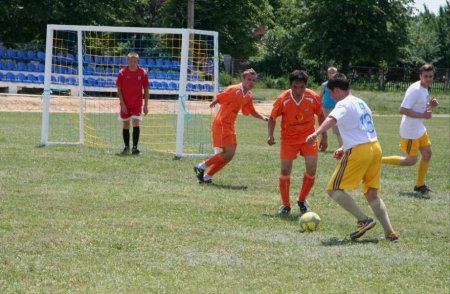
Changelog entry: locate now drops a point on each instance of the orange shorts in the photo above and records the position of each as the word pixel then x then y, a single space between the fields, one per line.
pixel 290 151
pixel 223 138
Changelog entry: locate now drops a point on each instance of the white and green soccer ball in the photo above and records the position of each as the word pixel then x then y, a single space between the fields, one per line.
pixel 309 222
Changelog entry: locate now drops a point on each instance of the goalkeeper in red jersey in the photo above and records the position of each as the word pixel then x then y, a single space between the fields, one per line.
pixel 298 108
pixel 234 99
pixel 131 82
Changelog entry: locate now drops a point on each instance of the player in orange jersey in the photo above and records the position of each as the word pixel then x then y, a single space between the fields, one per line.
pixel 297 107
pixel 234 99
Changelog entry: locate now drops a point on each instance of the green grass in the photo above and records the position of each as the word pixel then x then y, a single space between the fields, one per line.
pixel 79 219
pixel 380 102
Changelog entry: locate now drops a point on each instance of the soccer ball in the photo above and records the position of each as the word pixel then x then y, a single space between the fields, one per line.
pixel 309 222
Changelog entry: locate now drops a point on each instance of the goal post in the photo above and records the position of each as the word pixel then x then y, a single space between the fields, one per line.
pixel 80 104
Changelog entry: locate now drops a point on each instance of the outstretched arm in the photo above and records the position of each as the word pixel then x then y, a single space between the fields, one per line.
pixel 328 123
pixel 260 116
pixel 270 128
pixel 323 145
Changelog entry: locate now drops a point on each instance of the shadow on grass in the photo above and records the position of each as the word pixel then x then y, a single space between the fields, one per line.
pixel 343 242
pixel 414 195
pixel 291 217
pixel 229 187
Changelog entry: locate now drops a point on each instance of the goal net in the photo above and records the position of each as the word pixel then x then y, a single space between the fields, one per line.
pixel 80 104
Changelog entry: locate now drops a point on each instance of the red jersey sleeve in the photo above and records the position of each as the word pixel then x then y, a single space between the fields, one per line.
pixel 119 81
pixel 145 82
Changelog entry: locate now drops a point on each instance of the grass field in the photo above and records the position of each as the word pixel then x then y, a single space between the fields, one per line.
pixel 83 220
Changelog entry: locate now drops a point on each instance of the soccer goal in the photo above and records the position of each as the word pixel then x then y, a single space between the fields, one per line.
pixel 80 104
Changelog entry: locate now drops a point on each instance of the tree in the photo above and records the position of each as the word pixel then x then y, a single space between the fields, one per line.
pixel 353 31
pixel 236 21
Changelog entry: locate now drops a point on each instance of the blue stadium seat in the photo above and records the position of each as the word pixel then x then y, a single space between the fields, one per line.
pixel 152 74
pixel 161 75
pixel 116 70
pixel 40 56
pixel 164 85
pixel 116 60
pixel 9 54
pixel 101 82
pixel 2 65
pixel 175 65
pixel 123 61
pixel 90 82
pixel 71 59
pixel 2 76
pixel 99 70
pixel 41 79
pixel 71 70
pixel 30 55
pixel 153 85
pixel 2 53
pixel 173 86
pixel 31 67
pixel 41 67
pixel 87 59
pixel 19 55
pixel 10 65
pixel 159 63
pixel 110 83
pixel 98 60
pixel 109 71
pixel 169 75
pixel 142 62
pixel 89 70
pixel 20 77
pixel 31 78
pixel 53 79
pixel 189 87
pixel 107 60
pixel 61 80
pixel 21 66
pixel 59 57
pixel 151 63
pixel 10 77
pixel 71 81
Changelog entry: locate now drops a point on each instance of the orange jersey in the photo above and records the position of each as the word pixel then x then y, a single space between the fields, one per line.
pixel 231 101
pixel 297 118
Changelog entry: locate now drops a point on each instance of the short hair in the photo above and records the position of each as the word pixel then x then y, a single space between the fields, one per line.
pixel 249 71
pixel 132 54
pixel 332 68
pixel 340 81
pixel 426 67
pixel 298 76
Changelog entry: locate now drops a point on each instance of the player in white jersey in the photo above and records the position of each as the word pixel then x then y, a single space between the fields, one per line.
pixel 360 157
pixel 416 107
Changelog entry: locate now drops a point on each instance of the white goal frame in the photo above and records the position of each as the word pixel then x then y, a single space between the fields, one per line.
pixel 183 80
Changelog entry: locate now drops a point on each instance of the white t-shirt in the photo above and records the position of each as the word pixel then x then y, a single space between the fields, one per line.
pixel 416 99
pixel 354 120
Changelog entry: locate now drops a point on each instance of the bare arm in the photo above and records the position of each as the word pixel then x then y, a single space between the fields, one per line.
pixel 328 123
pixel 414 114
pixel 260 116
pixel 214 102
pixel 270 128
pixel 146 97
pixel 323 145
pixel 123 107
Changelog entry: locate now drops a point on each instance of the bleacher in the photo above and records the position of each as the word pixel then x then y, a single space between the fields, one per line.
pixel 25 70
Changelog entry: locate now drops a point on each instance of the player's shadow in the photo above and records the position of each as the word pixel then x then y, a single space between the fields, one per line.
pixel 346 242
pixel 414 195
pixel 229 187
pixel 291 217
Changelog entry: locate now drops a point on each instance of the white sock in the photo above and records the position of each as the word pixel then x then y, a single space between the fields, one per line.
pixel 202 165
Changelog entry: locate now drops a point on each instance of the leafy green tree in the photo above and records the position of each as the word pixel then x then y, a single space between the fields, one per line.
pixel 355 31
pixel 236 21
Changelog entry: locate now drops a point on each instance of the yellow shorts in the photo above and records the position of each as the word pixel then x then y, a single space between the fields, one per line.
pixel 411 146
pixel 361 163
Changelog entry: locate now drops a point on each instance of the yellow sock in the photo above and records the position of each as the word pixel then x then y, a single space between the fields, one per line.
pixel 423 168
pixel 394 160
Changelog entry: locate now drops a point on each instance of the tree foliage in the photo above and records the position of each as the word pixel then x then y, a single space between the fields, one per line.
pixel 354 31
pixel 236 21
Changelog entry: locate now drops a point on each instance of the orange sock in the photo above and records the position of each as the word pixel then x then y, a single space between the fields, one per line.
pixel 284 183
pixel 308 183
pixel 218 158
pixel 216 167
pixel 394 160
